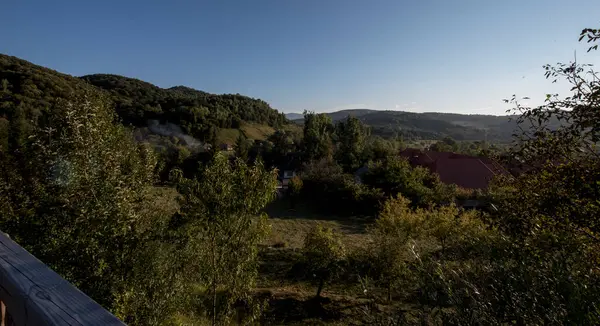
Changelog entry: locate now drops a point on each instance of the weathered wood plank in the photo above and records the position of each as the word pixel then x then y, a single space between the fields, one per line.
pixel 35 295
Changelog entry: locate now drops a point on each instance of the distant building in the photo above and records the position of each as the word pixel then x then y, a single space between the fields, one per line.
pixel 465 171
pixel 287 171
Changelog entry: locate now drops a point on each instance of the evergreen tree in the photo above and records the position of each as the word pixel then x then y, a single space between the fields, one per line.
pixel 242 146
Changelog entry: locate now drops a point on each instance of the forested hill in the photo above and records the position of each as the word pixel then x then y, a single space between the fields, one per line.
pixel 432 125
pixel 195 111
pixel 27 90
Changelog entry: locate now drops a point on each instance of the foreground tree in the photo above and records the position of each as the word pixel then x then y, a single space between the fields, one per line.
pixel 393 230
pixel 324 255
pixel 221 214
pixel 78 193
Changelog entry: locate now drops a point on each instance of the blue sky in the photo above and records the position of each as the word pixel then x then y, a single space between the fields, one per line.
pixel 460 56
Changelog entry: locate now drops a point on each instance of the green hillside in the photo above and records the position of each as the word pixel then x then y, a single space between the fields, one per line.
pixel 27 91
pixel 416 126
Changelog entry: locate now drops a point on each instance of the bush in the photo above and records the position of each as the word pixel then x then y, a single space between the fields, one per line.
pixel 331 191
pixel 395 176
pixel 400 229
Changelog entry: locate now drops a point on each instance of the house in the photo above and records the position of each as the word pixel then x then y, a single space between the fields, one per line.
pixel 287 171
pixel 284 176
pixel 465 171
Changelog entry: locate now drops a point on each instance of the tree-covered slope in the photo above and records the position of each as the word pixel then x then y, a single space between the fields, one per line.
pixel 195 111
pixel 433 125
pixel 28 90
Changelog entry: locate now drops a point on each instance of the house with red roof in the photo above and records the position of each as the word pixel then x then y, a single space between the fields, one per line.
pixel 465 171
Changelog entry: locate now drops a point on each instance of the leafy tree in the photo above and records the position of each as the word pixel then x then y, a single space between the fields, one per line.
pixel 541 268
pixel 221 213
pixel 378 149
pixel 324 254
pixel 393 230
pixel 317 141
pixel 333 192
pixel 559 158
pixel 195 111
pixel 78 193
pixel 283 142
pixel 351 136
pixel 396 176
pixel 447 144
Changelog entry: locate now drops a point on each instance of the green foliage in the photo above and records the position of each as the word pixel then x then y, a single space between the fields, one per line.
pixel 351 136
pixel 447 144
pixel 221 215
pixel 317 140
pixel 294 189
pixel 284 142
pixel 324 254
pixel 592 35
pixel 393 230
pixel 541 266
pixel 396 176
pixel 403 239
pixel 76 193
pixel 377 149
pixel 295 186
pixel 195 111
pixel 242 147
pixel 331 191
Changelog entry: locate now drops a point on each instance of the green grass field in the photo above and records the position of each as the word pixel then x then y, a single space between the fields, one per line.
pixel 251 130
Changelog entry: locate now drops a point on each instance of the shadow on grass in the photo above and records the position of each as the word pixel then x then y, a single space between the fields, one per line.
pixel 280 208
pixel 289 310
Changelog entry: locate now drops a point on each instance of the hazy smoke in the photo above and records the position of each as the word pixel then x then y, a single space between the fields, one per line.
pixel 170 129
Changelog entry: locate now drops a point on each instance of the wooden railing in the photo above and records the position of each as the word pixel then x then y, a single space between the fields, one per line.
pixel 33 294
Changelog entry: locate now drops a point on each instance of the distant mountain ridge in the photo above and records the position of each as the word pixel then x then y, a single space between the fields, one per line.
pixel 430 125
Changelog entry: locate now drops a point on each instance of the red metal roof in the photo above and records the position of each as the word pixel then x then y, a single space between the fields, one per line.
pixel 463 170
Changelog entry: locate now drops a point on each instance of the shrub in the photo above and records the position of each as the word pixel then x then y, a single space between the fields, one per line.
pixel 294 189
pixel 395 176
pixel 331 191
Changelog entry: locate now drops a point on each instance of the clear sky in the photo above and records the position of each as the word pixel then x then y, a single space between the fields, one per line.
pixel 460 56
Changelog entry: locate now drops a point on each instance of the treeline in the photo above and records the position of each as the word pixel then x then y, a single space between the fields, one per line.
pixel 197 112
pixel 29 91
